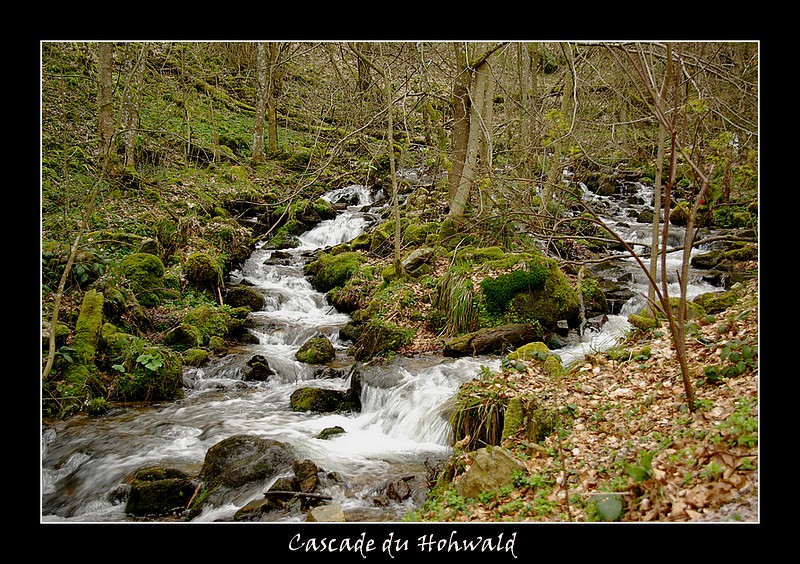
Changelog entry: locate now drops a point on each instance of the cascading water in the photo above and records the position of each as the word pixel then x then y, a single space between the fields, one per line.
pixel 401 429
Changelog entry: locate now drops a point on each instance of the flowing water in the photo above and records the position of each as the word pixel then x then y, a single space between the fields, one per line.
pixel 401 430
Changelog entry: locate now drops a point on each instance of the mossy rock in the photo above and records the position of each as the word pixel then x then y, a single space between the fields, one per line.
pixel 214 322
pixel 539 352
pixel 530 351
pixel 183 337
pixel 159 491
pixel 536 292
pixel 379 337
pixel 317 350
pixel 716 302
pixel 361 242
pixel 333 271
pixel 643 322
pixel 245 296
pixel 324 400
pixel 154 374
pixel 480 255
pixel 329 432
pixel 195 357
pixel 202 271
pixel 145 273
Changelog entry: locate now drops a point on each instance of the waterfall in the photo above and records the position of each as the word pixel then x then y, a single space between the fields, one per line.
pixel 402 426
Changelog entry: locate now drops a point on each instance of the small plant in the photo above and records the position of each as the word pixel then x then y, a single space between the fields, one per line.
pixel 150 361
pixel 736 358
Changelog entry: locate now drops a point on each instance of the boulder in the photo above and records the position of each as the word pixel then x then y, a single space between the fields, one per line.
pixel 259 369
pixel 414 261
pixel 317 350
pixel 330 513
pixel 244 296
pixel 241 459
pixel 159 491
pixel 492 469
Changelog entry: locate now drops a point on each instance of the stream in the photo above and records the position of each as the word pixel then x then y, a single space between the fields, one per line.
pixel 402 429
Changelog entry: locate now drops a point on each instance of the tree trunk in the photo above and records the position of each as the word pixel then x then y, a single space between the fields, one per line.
pixel 458 150
pixel 134 73
pixel 262 82
pixel 105 96
pixel 478 138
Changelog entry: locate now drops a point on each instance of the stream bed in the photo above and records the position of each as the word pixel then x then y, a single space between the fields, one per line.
pixel 402 429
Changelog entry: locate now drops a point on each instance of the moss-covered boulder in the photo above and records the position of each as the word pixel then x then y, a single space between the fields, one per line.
pixel 159 491
pixel 330 271
pixel 548 303
pixel 324 400
pixel 145 272
pixel 195 357
pixel 539 353
pixel 317 350
pixel 378 337
pixel 147 373
pixel 245 296
pixel 716 302
pixel 183 337
pixel 222 322
pixel 418 262
pixel 202 271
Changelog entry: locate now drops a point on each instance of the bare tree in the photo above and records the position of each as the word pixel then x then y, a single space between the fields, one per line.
pixel 473 95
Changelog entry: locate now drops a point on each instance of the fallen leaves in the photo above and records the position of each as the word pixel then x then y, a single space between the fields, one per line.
pixel 702 462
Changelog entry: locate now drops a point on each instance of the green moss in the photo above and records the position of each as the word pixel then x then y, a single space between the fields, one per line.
pixel 716 302
pixel 532 351
pixel 481 255
pixel 333 271
pixel 642 322
pixel 379 337
pixel 498 292
pixel 212 321
pixel 317 350
pixel 145 273
pixel 195 357
pixel 88 327
pixel 202 270
pixel 183 337
pixel 514 418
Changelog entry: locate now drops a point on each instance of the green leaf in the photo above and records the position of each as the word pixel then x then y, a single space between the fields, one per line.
pixel 609 507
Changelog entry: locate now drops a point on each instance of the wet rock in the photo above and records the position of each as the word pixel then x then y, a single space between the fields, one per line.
pixel 331 513
pixel 329 432
pixel 241 459
pixel 159 491
pixel 244 296
pixel 259 369
pixel 317 350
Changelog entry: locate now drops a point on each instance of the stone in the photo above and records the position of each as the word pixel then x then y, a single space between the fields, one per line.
pixel 330 513
pixel 492 469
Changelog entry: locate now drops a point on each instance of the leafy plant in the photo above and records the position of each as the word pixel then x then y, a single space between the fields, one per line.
pixel 150 361
pixel 736 358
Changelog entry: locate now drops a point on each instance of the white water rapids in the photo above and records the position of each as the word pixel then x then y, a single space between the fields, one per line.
pixel 401 428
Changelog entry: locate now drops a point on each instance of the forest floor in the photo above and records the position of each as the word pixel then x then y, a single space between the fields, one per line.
pixel 632 447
